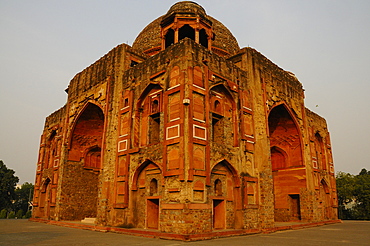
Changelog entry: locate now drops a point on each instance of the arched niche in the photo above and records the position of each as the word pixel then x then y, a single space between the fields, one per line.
pixel 169 37
pixel 186 31
pixel 148 115
pixel 146 191
pixel 223 117
pixel 285 135
pixel 92 158
pixel 320 151
pixel 225 193
pixel 81 187
pixel 278 158
pixel 87 131
pixel 286 160
pixel 203 38
pixel 325 200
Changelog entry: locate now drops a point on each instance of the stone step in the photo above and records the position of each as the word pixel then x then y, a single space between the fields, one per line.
pixel 88 220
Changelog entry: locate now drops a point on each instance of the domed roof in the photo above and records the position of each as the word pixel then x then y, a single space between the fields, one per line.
pixel 150 36
pixel 186 7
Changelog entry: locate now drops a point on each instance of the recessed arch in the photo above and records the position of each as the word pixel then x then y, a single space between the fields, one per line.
pixel 139 169
pixel 217 106
pixel 325 186
pixel 320 151
pixel 281 107
pixel 45 184
pixel 230 168
pixel 186 31
pixel 169 37
pixel 86 111
pixel 287 154
pixel 278 158
pixel 221 88
pixel 153 187
pixel 148 89
pixel 218 187
pixel 203 37
pixel 84 163
pixel 93 158
pixel 285 135
pixel 145 193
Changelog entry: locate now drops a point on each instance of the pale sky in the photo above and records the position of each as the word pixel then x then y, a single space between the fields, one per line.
pixel 43 44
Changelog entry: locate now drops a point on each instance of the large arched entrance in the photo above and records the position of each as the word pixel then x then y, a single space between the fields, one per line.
pixel 80 186
pixel 287 164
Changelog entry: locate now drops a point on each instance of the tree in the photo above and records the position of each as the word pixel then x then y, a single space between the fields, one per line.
pixel 23 196
pixel 345 190
pixel 8 181
pixel 354 195
pixel 3 213
pixel 362 195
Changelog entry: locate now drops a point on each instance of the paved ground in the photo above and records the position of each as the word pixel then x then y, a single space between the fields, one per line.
pixel 24 232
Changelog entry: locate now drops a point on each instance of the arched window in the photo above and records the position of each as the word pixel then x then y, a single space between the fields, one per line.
pixel 277 159
pixel 320 151
pixel 186 31
pixel 203 38
pixel 92 159
pixel 218 187
pixel 155 106
pixel 217 106
pixel 153 187
pixel 169 38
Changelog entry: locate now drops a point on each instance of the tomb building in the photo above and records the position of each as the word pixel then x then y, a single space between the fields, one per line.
pixel 185 132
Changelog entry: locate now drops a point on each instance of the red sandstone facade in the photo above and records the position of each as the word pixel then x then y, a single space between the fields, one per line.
pixel 186 133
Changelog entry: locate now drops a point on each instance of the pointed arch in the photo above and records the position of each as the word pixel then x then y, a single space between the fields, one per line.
pixel 226 194
pixel 186 31
pixel 284 133
pixel 203 37
pixel 325 185
pixel 223 115
pixel 320 151
pixel 149 88
pixel 288 110
pixel 230 168
pixel 220 87
pixel 148 111
pixel 279 158
pixel 78 117
pixel 92 157
pixel 169 37
pixel 286 153
pixel 84 162
pixel 139 169
pixel 45 184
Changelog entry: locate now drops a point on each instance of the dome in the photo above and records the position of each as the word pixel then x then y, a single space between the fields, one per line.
pixel 186 7
pixel 150 39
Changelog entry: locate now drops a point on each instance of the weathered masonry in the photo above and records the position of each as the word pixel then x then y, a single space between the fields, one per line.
pixel 186 133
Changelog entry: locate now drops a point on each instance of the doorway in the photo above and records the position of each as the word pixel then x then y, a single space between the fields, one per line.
pixel 219 214
pixel 152 213
pixel 295 207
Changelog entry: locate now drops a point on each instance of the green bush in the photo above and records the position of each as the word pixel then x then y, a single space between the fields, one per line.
pixel 3 213
pixel 28 214
pixel 19 214
pixel 11 215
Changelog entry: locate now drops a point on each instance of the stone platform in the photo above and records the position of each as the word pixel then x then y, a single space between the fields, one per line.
pixel 280 226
